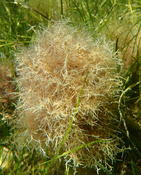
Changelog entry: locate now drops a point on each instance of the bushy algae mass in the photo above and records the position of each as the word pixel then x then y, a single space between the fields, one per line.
pixel 68 91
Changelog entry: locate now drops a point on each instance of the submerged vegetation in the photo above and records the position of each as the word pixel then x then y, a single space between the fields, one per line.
pixel 70 87
pixel 76 86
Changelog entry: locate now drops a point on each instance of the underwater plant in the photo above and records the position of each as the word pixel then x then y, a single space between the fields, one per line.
pixel 68 90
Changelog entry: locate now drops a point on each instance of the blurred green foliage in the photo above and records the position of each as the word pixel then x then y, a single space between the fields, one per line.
pixel 17 26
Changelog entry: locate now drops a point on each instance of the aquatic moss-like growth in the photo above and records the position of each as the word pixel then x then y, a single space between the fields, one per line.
pixel 68 87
